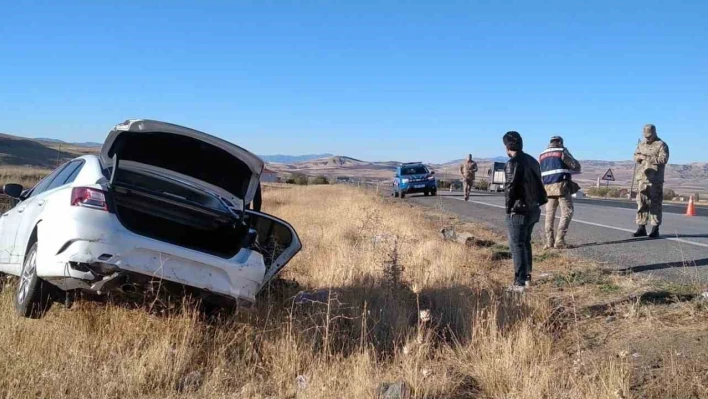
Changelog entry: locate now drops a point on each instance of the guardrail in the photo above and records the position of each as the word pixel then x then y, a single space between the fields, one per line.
pixel 375 185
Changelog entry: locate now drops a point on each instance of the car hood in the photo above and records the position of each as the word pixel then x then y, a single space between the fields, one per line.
pixel 213 163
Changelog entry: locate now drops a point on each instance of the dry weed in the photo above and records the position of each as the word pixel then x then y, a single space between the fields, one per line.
pixel 397 303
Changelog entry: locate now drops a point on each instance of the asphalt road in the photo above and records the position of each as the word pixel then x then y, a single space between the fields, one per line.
pixel 602 231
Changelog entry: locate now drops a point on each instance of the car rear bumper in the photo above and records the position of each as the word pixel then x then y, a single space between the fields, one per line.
pixel 107 245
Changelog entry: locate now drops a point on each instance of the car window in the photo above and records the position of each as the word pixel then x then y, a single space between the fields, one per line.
pixel 67 175
pixel 42 185
pixel 414 170
pixel 72 176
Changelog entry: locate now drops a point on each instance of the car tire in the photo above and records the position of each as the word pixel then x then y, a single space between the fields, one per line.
pixel 403 195
pixel 33 295
pixel 426 193
pixel 395 194
pixel 434 193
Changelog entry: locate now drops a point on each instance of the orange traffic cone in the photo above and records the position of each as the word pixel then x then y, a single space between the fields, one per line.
pixel 691 211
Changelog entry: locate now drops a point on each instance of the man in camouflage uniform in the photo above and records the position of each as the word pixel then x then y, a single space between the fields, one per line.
pixel 652 155
pixel 557 166
pixel 467 170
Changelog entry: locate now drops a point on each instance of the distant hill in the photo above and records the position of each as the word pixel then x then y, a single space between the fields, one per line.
pixel 19 151
pixel 89 144
pixel 48 153
pixel 478 160
pixel 292 158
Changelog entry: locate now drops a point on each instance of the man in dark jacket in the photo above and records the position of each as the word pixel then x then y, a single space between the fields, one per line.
pixel 525 195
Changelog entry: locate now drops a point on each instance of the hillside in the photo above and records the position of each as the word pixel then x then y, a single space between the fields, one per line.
pixel 286 159
pixel 19 151
pixel 338 166
pixel 48 153
pixel 684 179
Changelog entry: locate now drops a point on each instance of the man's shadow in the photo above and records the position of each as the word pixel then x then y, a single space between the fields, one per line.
pixel 639 239
pixel 662 266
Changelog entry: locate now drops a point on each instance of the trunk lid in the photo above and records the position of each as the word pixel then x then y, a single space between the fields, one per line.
pixel 207 161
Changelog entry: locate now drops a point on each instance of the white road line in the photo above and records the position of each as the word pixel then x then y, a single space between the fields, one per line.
pixel 675 239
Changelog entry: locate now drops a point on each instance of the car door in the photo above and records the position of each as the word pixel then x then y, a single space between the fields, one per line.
pixel 10 223
pixel 8 227
pixel 28 213
pixel 396 179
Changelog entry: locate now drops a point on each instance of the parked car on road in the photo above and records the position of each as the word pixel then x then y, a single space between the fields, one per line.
pixel 160 203
pixel 414 177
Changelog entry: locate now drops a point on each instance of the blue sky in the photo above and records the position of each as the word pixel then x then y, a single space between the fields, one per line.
pixel 383 80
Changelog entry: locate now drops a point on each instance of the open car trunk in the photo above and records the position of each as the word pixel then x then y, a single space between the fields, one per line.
pixel 170 211
pixel 188 188
pixel 186 154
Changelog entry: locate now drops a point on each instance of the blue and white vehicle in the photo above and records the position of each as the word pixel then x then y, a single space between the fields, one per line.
pixel 414 177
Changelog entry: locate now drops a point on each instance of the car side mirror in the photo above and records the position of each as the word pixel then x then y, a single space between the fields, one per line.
pixel 13 190
pixel 432 172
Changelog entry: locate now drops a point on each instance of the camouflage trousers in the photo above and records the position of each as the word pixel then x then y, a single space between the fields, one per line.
pixel 467 185
pixel 566 205
pixel 649 201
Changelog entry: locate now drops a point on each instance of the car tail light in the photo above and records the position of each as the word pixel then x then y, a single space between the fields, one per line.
pixel 89 198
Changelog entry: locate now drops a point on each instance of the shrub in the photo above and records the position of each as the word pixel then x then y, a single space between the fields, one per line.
pixel 320 180
pixel 598 191
pixel 669 194
pixel 481 184
pixel 297 178
pixel 606 192
pixel 444 184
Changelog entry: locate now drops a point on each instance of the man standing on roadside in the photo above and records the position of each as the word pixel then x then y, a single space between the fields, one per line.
pixel 467 170
pixel 525 195
pixel 557 165
pixel 652 155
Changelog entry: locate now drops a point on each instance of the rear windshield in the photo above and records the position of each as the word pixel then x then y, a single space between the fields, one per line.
pixel 414 170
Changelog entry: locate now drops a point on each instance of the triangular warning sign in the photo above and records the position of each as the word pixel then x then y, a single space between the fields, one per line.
pixel 609 176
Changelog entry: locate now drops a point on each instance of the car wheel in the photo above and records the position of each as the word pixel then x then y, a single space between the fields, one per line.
pixel 403 195
pixel 33 294
pixel 395 194
pixel 434 192
pixel 426 193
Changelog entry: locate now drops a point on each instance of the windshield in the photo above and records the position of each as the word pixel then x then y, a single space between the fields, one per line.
pixel 414 170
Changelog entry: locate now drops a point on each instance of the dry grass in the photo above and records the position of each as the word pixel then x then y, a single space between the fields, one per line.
pixel 379 263
pixel 26 176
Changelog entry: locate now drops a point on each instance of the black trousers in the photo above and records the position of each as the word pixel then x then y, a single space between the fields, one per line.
pixel 520 230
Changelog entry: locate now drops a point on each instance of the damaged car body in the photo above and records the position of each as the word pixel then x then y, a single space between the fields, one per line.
pixel 160 203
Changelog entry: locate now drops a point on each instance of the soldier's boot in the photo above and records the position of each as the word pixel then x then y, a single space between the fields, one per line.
pixel 654 232
pixel 549 241
pixel 560 241
pixel 641 231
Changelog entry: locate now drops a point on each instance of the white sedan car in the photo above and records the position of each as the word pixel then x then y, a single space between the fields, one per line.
pixel 161 205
